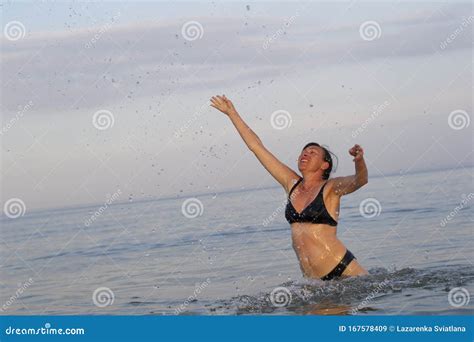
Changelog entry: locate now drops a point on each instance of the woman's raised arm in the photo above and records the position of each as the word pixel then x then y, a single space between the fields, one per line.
pixel 281 172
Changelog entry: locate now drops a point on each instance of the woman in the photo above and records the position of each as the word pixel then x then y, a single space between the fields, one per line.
pixel 313 200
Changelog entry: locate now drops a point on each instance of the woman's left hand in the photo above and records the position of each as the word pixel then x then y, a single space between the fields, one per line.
pixel 357 152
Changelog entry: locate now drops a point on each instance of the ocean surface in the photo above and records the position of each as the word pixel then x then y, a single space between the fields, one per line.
pixel 231 253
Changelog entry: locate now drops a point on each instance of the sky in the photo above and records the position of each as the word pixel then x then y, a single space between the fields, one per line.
pixel 98 97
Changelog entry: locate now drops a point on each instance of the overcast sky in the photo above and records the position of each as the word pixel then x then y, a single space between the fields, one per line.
pixel 394 77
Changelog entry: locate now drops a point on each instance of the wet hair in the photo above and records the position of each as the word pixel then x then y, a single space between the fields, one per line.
pixel 327 158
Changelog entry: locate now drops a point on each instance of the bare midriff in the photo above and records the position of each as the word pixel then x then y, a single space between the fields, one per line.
pixel 317 247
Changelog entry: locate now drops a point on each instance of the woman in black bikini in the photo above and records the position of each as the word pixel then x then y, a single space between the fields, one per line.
pixel 313 200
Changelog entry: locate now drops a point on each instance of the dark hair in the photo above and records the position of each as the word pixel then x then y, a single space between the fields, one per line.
pixel 327 158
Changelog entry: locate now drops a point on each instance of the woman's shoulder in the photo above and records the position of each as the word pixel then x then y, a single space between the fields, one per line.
pixel 293 182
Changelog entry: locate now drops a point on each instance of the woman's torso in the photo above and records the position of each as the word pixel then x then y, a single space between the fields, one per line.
pixel 316 245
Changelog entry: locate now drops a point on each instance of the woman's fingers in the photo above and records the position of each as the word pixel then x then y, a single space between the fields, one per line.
pixel 221 102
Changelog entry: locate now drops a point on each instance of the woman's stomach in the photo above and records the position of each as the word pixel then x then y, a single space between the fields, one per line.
pixel 317 247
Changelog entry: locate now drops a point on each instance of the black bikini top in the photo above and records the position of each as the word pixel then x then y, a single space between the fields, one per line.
pixel 315 212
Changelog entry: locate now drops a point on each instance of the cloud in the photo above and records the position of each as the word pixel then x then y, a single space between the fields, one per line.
pixel 111 62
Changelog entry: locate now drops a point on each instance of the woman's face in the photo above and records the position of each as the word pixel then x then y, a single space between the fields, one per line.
pixel 311 158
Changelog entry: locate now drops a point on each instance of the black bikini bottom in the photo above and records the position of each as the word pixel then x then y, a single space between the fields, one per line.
pixel 337 271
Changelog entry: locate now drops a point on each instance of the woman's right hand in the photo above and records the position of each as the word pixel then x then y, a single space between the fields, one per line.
pixel 223 104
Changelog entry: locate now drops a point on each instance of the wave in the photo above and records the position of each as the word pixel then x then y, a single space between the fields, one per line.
pixel 346 296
